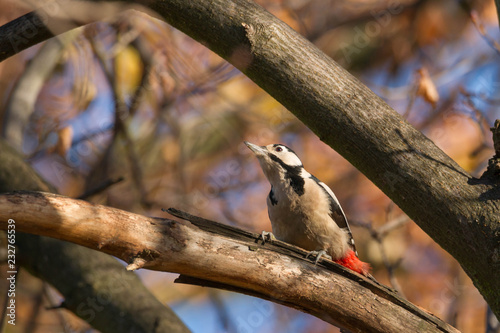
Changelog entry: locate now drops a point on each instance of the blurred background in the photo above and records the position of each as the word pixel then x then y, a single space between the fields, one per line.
pixel 156 120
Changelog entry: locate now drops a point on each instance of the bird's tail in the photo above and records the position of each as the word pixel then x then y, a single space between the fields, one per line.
pixel 351 261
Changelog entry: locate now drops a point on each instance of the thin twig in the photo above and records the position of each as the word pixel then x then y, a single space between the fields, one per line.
pixel 222 313
pixel 378 234
pixel 391 225
pixel 120 127
pixel 100 188
pixel 58 307
pixel 474 16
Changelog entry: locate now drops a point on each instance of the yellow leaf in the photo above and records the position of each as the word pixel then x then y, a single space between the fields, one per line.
pixel 426 88
pixel 128 69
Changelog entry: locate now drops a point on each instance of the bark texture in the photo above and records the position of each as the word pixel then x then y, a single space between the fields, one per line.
pixel 222 255
pixel 460 213
pixel 95 286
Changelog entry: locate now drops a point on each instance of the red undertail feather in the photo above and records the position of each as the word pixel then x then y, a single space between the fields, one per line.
pixel 352 262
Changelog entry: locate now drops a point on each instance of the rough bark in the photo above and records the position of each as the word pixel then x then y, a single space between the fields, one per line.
pixel 459 212
pixel 95 286
pixel 224 256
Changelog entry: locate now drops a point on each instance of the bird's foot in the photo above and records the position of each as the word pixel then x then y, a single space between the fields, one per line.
pixel 318 255
pixel 267 236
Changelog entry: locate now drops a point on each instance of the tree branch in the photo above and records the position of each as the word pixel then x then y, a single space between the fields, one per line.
pixel 420 178
pixel 222 256
pixel 22 33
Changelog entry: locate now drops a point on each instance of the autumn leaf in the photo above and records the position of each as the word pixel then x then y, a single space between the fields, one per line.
pixel 426 87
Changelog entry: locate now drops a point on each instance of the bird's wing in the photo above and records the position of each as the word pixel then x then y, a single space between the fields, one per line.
pixel 336 212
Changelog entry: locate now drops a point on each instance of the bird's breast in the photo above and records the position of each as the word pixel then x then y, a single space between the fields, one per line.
pixel 305 220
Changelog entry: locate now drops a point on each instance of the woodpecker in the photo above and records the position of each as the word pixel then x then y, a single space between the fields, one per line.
pixel 303 210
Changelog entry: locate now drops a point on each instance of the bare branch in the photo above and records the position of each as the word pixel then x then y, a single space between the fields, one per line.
pixel 222 256
pixel 101 187
pixel 378 234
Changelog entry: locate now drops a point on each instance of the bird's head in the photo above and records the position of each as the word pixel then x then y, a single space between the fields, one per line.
pixel 276 161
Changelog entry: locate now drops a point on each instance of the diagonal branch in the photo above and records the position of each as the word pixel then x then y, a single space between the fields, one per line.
pixel 222 256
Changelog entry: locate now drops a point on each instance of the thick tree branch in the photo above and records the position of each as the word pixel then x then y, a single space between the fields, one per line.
pixel 53 19
pixel 422 180
pixel 223 256
pixel 21 33
pixel 95 286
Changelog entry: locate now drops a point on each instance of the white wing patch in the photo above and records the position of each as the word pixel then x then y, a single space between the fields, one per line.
pixel 337 213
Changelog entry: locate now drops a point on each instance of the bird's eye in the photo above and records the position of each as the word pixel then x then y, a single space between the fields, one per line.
pixel 278 149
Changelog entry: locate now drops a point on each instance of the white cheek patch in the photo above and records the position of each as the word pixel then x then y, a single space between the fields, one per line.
pixel 289 158
pixel 286 155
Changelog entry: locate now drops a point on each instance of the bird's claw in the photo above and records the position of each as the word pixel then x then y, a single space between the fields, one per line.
pixel 268 235
pixel 318 255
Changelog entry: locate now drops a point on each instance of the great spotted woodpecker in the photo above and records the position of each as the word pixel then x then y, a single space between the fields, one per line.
pixel 303 210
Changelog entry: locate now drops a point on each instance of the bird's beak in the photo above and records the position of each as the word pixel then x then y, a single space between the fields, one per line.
pixel 258 150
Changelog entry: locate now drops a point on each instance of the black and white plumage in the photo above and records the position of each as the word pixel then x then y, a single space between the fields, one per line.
pixel 303 210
